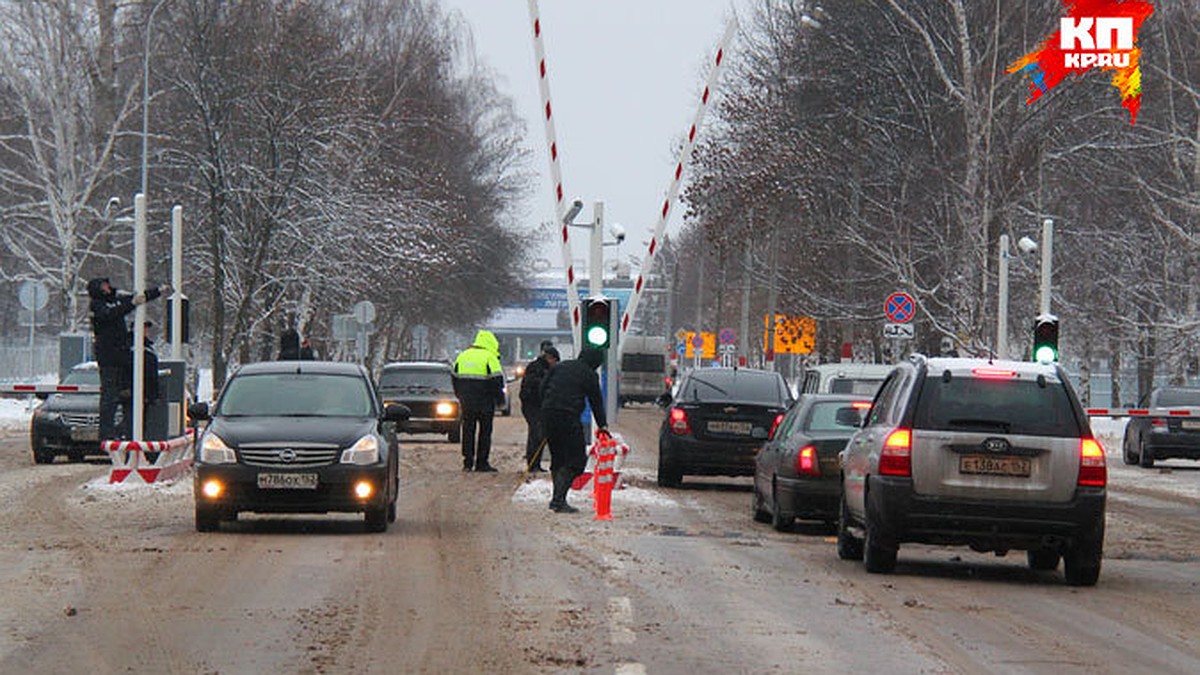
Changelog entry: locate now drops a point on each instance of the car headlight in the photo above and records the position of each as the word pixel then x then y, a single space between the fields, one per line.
pixel 444 409
pixel 44 416
pixel 214 451
pixel 364 451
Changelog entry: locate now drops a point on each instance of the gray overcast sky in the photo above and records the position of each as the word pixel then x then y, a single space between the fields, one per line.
pixel 625 78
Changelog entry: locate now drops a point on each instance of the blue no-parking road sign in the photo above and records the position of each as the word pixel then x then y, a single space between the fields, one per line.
pixel 899 308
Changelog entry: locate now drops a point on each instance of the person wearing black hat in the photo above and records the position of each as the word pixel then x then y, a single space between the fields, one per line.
pixel 531 403
pixel 112 344
pixel 564 390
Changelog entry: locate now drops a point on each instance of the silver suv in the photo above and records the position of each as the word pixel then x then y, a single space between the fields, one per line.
pixel 996 455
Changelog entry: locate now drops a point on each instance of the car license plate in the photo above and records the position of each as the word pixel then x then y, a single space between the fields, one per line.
pixel 995 466
pixel 85 434
pixel 1191 424
pixel 721 427
pixel 287 481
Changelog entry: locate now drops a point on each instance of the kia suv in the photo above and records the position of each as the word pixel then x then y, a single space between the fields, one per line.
pixel 995 455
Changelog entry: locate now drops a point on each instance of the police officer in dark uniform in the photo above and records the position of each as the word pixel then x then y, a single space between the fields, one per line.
pixel 564 390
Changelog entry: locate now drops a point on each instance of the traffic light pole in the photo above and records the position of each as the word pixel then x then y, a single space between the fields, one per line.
pixel 1047 250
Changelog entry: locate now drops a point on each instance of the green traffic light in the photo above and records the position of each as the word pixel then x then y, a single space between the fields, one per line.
pixel 1045 354
pixel 597 336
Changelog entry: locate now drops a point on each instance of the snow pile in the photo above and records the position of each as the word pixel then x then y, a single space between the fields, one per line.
pixel 538 492
pixel 14 413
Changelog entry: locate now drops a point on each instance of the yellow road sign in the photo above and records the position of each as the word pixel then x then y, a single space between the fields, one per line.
pixel 794 333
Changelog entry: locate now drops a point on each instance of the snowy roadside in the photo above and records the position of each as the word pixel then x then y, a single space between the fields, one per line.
pixel 15 412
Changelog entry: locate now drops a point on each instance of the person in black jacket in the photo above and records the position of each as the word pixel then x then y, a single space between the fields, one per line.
pixel 289 345
pixel 112 344
pixel 564 390
pixel 531 403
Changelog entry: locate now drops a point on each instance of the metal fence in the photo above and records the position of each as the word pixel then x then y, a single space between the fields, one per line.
pixel 19 363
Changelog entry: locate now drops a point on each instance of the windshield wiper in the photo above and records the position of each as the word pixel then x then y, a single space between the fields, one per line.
pixel 972 422
pixel 710 384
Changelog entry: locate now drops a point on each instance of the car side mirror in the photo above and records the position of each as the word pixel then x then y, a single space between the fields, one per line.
pixel 664 399
pixel 396 412
pixel 848 417
pixel 199 411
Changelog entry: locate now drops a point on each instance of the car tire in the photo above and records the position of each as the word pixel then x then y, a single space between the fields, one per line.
pixel 76 457
pixel 1145 455
pixel 1043 559
pixel 778 522
pixel 1127 450
pixel 878 557
pixel 42 456
pixel 1081 559
pixel 759 509
pixel 377 519
pixel 207 519
pixel 668 474
pixel 849 547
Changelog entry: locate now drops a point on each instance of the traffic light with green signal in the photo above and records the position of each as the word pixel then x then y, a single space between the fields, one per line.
pixel 1045 339
pixel 597 322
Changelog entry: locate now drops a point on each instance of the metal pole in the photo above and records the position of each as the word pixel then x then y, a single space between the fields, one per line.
pixel 1002 301
pixel 177 282
pixel 1047 250
pixel 139 314
pixel 744 341
pixel 772 300
pixel 32 324
pixel 596 252
pixel 699 306
pixel 146 94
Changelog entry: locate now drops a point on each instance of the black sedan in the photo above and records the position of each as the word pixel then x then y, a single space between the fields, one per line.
pixel 1166 436
pixel 68 424
pixel 298 437
pixel 717 420
pixel 796 473
pixel 426 388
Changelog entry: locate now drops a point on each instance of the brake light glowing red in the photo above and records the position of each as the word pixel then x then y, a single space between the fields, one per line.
pixel 1092 468
pixel 994 372
pixel 679 422
pixel 896 458
pixel 806 462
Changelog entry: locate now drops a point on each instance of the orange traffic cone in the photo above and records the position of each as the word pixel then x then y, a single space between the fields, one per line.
pixel 602 482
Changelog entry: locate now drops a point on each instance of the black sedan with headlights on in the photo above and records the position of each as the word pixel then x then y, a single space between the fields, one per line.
pixel 717 420
pixel 796 474
pixel 298 437
pixel 427 389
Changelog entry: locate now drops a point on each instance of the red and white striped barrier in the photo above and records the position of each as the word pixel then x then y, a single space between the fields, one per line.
pixel 131 465
pixel 49 389
pixel 1143 412
pixel 685 157
pixel 560 208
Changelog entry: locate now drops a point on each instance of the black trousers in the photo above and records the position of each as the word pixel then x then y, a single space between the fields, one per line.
pixel 533 419
pixel 477 449
pixel 568 457
pixel 113 381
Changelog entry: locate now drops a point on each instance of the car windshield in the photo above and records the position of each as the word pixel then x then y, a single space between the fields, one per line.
pixel 83 376
pixel 1178 398
pixel 417 379
pixel 741 386
pixel 1010 406
pixel 824 416
pixel 295 394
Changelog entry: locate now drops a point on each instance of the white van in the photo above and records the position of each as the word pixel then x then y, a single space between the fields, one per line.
pixel 643 375
pixel 843 378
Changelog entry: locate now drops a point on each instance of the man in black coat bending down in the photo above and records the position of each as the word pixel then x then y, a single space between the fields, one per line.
pixel 564 390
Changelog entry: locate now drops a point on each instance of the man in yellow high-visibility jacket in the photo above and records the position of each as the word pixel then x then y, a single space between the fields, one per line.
pixel 479 386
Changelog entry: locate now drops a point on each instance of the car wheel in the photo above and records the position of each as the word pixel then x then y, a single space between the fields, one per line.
pixel 878 557
pixel 207 519
pixel 42 456
pixel 1145 455
pixel 760 511
pixel 668 475
pixel 377 519
pixel 1042 559
pixel 1127 450
pixel 1081 560
pixel 849 547
pixel 778 522
pixel 75 457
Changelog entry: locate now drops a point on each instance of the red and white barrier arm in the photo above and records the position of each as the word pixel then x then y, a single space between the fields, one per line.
pixel 1143 412
pixel 49 389
pixel 560 208
pixel 685 157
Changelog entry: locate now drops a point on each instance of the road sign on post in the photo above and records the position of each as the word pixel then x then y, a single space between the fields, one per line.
pixel 899 308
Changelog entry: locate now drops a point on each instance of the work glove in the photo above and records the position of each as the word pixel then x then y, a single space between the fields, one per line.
pixel 139 298
pixel 166 289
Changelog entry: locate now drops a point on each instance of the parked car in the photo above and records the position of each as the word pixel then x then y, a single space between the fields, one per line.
pixel 1150 438
pixel 995 455
pixel 427 389
pixel 68 424
pixel 297 437
pixel 796 473
pixel 718 420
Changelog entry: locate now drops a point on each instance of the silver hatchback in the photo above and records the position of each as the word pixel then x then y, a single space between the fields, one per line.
pixel 996 455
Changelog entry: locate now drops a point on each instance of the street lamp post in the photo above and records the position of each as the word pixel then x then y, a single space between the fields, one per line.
pixel 146 92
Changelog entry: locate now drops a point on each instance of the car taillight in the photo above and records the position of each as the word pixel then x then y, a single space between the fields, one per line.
pixel 1158 424
pixel 775 425
pixel 679 422
pixel 806 462
pixel 1092 469
pixel 896 458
